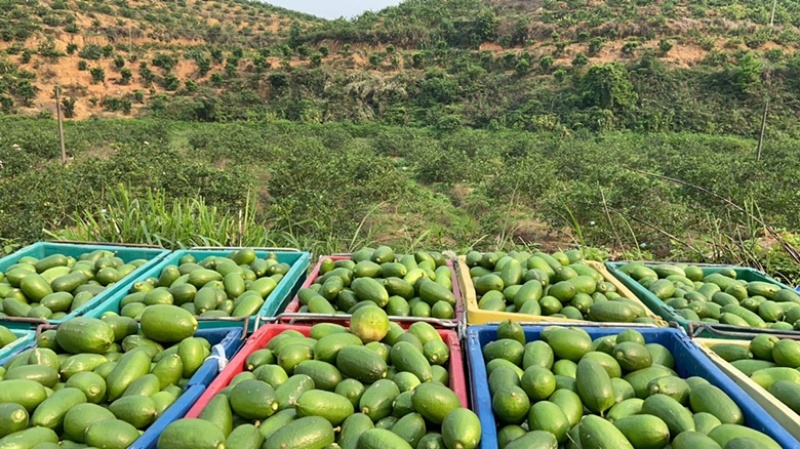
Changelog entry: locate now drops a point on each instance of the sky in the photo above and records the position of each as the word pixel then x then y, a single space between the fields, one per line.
pixel 333 9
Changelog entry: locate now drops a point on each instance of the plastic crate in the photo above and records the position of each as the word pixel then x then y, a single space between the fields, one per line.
pixel 690 360
pixel 266 333
pixel 286 288
pixel 44 249
pixel 787 417
pixel 477 316
pixel 176 411
pixel 292 316
pixel 667 312
pixel 25 339
pixel 226 343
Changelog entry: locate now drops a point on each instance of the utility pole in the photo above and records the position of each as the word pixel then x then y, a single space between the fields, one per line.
pixel 772 16
pixel 766 91
pixel 763 129
pixel 60 125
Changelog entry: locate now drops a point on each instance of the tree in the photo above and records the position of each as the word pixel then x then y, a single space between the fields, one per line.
pixel 608 86
pixel 520 32
pixel 486 26
pixel 294 35
pixel 68 105
pixel 146 74
pixel 26 91
pixel 747 74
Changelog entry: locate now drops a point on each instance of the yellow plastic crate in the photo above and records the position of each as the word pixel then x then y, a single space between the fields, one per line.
pixel 777 409
pixel 477 316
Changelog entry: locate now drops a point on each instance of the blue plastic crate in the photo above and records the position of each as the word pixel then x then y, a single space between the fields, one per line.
pixel 25 339
pixel 225 342
pixel 44 249
pixel 273 304
pixel 689 361
pixel 668 313
pixel 176 411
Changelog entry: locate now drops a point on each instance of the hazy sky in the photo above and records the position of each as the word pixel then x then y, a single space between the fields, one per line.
pixel 333 9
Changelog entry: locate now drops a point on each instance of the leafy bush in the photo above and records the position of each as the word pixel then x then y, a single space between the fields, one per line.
pixel 98 74
pixel 91 51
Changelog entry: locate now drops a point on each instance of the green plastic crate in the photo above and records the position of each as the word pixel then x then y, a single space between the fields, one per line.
pixel 273 304
pixel 43 249
pixel 669 314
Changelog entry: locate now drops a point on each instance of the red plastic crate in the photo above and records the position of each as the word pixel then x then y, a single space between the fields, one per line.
pixel 266 333
pixel 294 305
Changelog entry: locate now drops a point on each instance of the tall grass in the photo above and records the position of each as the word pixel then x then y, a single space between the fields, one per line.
pixel 176 223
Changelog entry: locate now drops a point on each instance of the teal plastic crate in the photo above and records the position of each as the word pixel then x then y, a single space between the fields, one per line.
pixel 668 313
pixel 25 339
pixel 43 249
pixel 273 304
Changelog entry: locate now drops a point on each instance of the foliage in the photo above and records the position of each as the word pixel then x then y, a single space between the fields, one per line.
pixel 608 86
pixel 324 186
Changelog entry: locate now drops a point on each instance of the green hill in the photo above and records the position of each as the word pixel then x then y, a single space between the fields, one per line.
pixel 537 65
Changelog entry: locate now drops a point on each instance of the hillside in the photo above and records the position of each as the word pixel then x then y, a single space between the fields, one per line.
pixel 538 65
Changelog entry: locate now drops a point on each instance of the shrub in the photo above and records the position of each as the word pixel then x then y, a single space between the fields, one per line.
pixel 68 106
pixel 580 60
pixel 98 75
pixel 164 61
pixel 595 45
pixel 171 82
pixel 546 63
pixel 125 76
pixel 664 46
pixel 91 51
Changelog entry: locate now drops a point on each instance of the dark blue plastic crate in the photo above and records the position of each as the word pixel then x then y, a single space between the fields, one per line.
pixel 273 304
pixel 44 249
pixel 689 361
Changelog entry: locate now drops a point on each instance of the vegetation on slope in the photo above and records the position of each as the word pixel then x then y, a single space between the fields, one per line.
pixel 660 65
pixel 332 187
